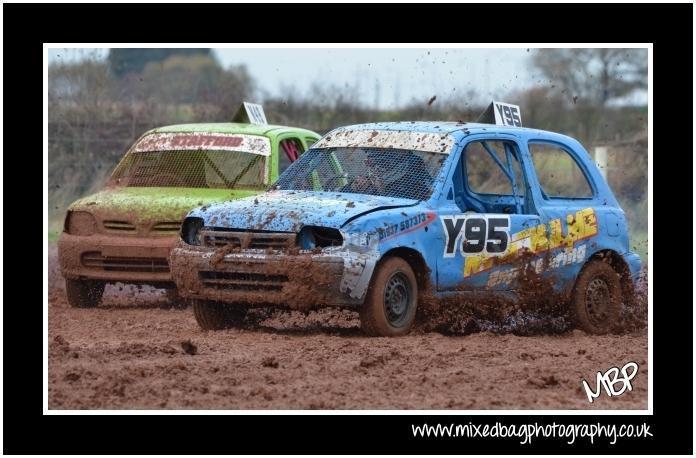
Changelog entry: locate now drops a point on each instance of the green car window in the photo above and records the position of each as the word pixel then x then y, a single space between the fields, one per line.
pixel 210 161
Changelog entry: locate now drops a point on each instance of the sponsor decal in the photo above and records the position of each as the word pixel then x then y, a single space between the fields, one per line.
pixel 561 259
pixel 405 226
pixel 204 141
pixel 483 238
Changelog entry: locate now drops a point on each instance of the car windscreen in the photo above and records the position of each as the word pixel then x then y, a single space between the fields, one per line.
pixel 388 172
pixel 200 161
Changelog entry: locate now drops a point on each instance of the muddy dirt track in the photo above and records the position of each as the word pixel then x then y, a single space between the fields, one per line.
pixel 137 352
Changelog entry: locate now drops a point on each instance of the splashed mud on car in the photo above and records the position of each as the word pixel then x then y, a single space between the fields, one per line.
pixel 388 210
pixel 124 232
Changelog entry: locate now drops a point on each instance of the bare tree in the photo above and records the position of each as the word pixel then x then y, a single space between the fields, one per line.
pixel 594 75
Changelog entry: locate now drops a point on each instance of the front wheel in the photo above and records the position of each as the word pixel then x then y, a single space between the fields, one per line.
pixel 596 300
pixel 390 305
pixel 84 293
pixel 213 316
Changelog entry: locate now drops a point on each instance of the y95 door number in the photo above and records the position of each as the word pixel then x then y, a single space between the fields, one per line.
pixel 476 234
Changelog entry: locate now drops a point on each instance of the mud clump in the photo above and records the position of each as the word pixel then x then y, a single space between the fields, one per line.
pixel 270 361
pixel 543 382
pixel 72 377
pixel 189 347
pixel 220 253
pixel 60 340
pixel 59 347
pixel 373 361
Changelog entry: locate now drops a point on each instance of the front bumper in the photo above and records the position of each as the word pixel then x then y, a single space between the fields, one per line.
pixel 254 277
pixel 116 258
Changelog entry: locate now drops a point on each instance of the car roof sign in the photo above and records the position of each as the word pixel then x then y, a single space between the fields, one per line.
pixel 251 113
pixel 502 114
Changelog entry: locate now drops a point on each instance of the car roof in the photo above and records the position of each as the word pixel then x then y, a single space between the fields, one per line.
pixel 449 127
pixel 232 128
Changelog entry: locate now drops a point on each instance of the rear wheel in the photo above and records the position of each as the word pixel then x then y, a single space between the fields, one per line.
pixel 390 305
pixel 213 316
pixel 84 293
pixel 596 301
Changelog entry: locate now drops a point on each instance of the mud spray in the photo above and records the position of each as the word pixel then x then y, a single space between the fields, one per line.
pixel 539 311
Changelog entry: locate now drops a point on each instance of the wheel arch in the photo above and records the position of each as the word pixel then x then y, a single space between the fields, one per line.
pixel 414 259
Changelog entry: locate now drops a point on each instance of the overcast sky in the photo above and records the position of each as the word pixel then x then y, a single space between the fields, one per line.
pixel 386 77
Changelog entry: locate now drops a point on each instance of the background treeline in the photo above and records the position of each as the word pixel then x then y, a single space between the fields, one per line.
pixel 98 107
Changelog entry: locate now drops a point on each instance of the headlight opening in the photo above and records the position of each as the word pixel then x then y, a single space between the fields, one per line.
pixel 311 237
pixel 80 223
pixel 191 230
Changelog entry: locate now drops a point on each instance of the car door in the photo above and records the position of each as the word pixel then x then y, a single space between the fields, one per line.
pixel 568 201
pixel 488 217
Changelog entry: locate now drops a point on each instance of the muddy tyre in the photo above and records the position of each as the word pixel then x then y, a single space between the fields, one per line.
pixel 214 316
pixel 392 298
pixel 84 293
pixel 596 300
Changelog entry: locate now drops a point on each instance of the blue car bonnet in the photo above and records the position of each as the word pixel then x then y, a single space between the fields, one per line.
pixel 289 211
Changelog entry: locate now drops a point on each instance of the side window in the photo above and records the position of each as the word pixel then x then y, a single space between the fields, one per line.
pixel 290 150
pixel 486 175
pixel 559 175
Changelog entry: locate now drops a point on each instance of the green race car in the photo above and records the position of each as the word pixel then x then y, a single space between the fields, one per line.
pixel 124 233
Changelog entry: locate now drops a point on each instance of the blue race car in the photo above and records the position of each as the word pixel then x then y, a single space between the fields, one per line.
pixel 377 216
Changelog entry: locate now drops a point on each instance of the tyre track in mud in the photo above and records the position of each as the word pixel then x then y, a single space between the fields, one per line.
pixel 136 352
